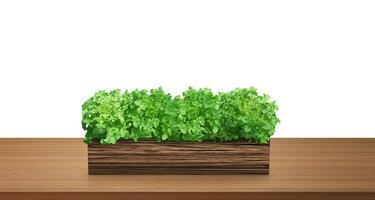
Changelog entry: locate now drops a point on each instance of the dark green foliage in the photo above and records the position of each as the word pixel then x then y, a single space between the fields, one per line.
pixel 196 115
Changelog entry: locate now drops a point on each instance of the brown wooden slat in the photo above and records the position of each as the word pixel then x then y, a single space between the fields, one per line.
pixel 148 157
pixel 313 168
pixel 189 195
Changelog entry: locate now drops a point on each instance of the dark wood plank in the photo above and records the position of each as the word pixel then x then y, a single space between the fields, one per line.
pixel 148 157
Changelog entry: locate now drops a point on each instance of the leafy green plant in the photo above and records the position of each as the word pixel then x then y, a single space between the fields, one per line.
pixel 196 115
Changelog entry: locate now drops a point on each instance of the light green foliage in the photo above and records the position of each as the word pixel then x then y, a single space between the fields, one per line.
pixel 244 114
pixel 196 115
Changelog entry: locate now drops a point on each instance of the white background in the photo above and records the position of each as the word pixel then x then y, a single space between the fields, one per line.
pixel 315 58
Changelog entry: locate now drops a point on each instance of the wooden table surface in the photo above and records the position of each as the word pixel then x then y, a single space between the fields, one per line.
pixel 30 168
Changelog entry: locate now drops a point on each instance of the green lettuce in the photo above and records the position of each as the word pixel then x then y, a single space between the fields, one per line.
pixel 196 115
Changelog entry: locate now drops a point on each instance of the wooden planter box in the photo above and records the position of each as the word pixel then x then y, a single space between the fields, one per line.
pixel 148 157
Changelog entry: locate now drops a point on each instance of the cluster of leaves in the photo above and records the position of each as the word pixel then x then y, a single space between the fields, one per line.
pixel 196 115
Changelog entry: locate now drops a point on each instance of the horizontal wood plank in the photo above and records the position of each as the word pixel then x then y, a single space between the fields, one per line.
pixel 189 196
pixel 148 157
pixel 299 169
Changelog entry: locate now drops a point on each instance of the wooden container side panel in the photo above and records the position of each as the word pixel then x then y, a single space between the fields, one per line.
pixel 148 157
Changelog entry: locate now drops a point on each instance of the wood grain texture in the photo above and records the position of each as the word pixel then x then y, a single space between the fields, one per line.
pixel 148 157
pixel 320 168
pixel 188 196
